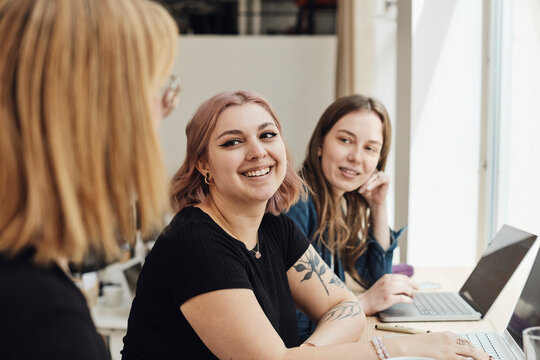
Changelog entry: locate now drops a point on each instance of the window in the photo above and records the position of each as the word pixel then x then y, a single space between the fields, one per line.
pixel 254 17
pixel 515 197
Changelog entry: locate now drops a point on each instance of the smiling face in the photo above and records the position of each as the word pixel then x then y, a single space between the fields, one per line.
pixel 351 150
pixel 246 155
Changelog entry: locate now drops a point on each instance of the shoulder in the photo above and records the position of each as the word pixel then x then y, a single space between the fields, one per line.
pixel 190 226
pixel 192 238
pixel 31 294
pixel 23 282
pixel 279 222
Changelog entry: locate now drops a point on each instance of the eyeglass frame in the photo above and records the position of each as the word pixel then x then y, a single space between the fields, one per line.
pixel 171 95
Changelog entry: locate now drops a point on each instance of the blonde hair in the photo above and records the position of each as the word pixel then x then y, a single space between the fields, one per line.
pixel 77 140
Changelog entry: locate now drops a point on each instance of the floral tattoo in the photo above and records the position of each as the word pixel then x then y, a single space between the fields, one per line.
pixel 344 310
pixel 310 263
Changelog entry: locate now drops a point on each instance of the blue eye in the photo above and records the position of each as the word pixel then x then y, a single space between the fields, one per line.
pixel 268 135
pixel 230 143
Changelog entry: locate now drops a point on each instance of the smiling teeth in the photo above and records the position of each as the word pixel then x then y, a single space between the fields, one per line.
pixel 258 172
pixel 350 171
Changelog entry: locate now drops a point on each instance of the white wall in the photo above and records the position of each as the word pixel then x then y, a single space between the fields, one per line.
pixel 296 75
pixel 445 132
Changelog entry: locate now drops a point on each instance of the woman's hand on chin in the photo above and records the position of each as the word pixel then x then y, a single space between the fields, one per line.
pixel 375 189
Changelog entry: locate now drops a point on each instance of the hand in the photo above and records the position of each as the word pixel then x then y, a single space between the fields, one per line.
pixel 375 188
pixel 387 291
pixel 441 345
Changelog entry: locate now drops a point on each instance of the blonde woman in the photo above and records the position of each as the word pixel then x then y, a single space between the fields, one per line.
pixel 80 95
pixel 224 277
pixel 345 213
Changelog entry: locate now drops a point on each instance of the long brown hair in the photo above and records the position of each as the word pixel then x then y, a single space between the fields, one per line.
pixel 342 229
pixel 188 186
pixel 78 143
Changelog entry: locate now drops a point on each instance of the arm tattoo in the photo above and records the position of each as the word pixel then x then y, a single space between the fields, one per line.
pixel 336 281
pixel 347 309
pixel 310 263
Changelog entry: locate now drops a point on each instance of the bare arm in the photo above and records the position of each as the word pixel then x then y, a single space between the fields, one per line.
pixel 232 324
pixel 321 295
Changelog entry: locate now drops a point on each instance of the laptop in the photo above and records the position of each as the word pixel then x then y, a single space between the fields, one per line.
pixel 130 271
pixel 509 346
pixel 479 292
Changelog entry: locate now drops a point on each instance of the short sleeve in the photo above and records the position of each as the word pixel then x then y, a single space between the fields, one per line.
pixel 197 258
pixel 297 243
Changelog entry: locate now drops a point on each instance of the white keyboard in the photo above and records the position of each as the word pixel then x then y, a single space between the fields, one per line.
pixel 486 342
pixel 439 304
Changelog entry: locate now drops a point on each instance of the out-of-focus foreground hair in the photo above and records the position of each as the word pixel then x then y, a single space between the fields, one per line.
pixel 78 144
pixel 342 229
pixel 188 186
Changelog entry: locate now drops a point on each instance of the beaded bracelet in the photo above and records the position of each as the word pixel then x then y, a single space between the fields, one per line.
pixel 380 349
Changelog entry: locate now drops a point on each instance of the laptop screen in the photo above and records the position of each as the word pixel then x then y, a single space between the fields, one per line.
pixel 527 310
pixel 496 266
pixel 132 275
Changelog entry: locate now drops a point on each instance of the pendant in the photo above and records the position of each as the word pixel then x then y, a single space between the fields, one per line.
pixel 257 255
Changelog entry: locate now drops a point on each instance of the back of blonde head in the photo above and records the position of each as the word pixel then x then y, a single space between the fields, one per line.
pixel 77 138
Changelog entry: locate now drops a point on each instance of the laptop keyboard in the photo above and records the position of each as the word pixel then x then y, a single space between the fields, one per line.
pixel 439 304
pixel 486 342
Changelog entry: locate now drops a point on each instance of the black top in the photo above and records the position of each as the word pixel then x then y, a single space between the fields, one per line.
pixel 192 256
pixel 43 315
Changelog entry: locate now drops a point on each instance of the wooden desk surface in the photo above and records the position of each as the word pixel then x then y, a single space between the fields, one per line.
pixel 451 279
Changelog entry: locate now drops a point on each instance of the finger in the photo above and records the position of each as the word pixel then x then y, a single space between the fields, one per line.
pixel 372 178
pixel 405 289
pixel 397 288
pixel 404 281
pixel 410 282
pixel 472 351
pixel 377 183
pixel 403 298
pixel 466 349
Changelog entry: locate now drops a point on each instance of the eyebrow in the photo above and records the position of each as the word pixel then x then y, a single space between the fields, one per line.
pixel 236 132
pixel 354 136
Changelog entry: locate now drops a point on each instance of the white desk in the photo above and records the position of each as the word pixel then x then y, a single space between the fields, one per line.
pixel 111 322
pixel 451 279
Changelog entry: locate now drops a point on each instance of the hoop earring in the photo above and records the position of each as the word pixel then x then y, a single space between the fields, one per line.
pixel 207 178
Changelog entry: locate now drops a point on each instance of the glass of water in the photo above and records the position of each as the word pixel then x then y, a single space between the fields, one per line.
pixel 531 343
